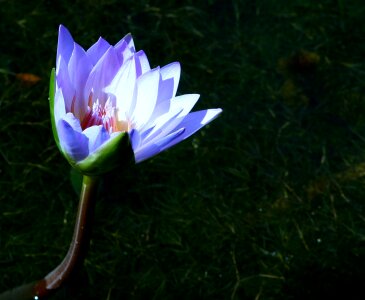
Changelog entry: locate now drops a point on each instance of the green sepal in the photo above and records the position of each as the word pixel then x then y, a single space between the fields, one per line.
pixel 52 91
pixel 114 153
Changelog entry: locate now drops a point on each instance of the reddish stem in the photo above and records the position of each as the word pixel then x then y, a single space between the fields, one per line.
pixel 74 257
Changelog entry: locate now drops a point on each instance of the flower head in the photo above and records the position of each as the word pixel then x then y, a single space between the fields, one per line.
pixel 108 97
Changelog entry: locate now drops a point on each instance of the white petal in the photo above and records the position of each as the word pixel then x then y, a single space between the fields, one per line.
pixel 172 70
pixel 182 105
pixel 192 123
pixel 122 87
pixel 210 115
pixel 146 97
pixel 59 105
pixel 142 64
pixel 73 121
pixel 123 51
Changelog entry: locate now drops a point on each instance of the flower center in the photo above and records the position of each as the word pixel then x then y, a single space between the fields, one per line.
pixel 106 115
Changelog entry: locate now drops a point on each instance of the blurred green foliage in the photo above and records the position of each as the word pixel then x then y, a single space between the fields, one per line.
pixel 265 203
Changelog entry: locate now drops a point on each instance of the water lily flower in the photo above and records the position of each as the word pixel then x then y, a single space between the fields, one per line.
pixel 107 97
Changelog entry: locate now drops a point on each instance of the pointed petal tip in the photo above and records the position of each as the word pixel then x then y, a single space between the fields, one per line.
pixel 210 115
pixel 128 37
pixel 61 27
pixel 65 44
pixel 101 40
pixel 177 67
pixel 140 52
pixel 174 64
pixel 63 31
pixel 128 41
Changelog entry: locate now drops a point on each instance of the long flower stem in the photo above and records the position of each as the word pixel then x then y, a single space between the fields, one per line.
pixel 74 257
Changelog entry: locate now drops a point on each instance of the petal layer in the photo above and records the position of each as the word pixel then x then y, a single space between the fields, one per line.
pixel 74 144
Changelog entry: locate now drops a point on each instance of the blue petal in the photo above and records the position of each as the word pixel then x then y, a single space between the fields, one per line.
pixel 172 71
pixel 73 121
pixel 97 136
pixel 142 64
pixel 65 44
pixel 192 123
pixel 154 148
pixel 96 51
pixel 79 68
pixel 134 138
pixel 128 41
pixel 180 106
pixel 101 75
pixel 125 48
pixel 150 151
pixel 74 143
pixel 165 92
pixel 153 133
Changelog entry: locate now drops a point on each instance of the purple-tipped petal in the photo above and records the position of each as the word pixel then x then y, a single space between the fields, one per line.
pixel 154 148
pixel 142 64
pixel 128 40
pixel 165 92
pixel 96 51
pixel 169 138
pixel 146 153
pixel 65 44
pixel 125 48
pixel 72 121
pixel 73 143
pixel 137 139
pixel 79 69
pixel 162 125
pixel 101 75
pixel 146 132
pixel 169 80
pixel 64 83
pixel 193 122
pixel 120 51
pixel 97 136
pixel 179 107
pixel 171 71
